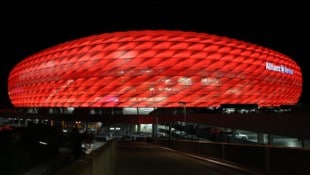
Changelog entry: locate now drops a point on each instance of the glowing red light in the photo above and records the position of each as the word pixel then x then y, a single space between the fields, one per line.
pixel 155 69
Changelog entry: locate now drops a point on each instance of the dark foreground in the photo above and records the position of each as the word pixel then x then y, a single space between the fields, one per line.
pixel 139 158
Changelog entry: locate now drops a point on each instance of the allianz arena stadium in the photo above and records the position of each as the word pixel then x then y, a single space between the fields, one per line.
pixel 157 68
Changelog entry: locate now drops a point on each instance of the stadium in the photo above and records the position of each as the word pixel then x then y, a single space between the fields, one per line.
pixel 155 69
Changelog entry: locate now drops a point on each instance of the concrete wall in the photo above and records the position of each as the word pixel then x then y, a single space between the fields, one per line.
pixel 99 162
pixel 263 158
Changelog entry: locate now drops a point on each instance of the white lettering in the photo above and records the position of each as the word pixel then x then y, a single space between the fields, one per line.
pixel 279 68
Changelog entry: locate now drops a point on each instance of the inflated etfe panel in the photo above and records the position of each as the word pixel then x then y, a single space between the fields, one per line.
pixel 155 69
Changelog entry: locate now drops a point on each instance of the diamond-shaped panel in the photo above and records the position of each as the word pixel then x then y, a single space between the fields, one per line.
pixel 155 69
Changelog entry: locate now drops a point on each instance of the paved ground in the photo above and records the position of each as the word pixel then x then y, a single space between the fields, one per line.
pixel 137 158
pixel 46 167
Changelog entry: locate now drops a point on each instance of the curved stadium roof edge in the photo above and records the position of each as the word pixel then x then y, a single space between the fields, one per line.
pixel 155 68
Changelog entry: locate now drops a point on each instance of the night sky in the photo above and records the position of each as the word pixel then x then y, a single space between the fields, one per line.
pixel 27 29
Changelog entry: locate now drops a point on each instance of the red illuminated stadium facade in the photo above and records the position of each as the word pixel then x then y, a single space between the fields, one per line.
pixel 155 69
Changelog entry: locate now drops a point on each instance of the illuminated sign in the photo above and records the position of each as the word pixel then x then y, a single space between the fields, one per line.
pixel 279 68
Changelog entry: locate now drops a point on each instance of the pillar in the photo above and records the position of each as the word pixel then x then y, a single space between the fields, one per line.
pixel 260 138
pixel 270 139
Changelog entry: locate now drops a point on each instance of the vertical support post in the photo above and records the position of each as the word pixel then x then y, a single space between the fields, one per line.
pixel 169 130
pixel 184 117
pixel 267 159
pixel 223 151
pixel 270 139
pixel 260 138
pixel 302 142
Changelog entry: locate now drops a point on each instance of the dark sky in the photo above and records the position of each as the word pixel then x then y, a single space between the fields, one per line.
pixel 27 29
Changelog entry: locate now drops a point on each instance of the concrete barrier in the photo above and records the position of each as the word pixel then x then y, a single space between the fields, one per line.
pixel 99 162
pixel 263 158
pixel 289 160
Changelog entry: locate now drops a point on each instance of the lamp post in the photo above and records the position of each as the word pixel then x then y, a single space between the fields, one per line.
pixel 184 111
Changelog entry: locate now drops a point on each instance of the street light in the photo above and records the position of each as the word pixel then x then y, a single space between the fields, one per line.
pixel 184 108
pixel 184 111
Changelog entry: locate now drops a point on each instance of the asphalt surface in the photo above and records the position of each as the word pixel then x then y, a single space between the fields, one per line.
pixel 139 158
pixel 45 167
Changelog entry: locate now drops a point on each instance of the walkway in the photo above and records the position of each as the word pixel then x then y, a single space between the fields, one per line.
pixel 137 158
pixel 51 165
